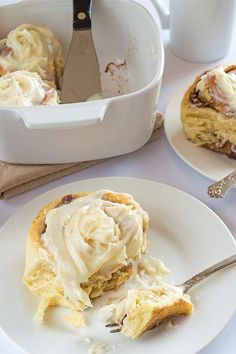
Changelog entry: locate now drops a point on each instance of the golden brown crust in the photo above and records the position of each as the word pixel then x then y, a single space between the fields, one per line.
pixel 147 318
pixel 204 125
pixel 181 307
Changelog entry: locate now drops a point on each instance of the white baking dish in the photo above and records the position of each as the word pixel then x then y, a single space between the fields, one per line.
pixel 124 33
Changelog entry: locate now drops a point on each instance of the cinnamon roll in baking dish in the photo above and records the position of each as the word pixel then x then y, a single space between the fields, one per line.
pixel 32 48
pixel 23 88
pixel 82 245
pixel 208 110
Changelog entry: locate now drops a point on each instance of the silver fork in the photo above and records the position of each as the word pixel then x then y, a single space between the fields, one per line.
pixel 188 284
pixel 220 188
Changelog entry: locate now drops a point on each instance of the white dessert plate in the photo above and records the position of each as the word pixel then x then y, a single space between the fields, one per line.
pixel 209 163
pixel 184 233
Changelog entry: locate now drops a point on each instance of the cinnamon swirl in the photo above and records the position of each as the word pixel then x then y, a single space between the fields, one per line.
pixel 208 110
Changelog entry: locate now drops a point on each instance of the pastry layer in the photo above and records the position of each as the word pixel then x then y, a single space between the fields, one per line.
pixel 206 116
pixel 144 308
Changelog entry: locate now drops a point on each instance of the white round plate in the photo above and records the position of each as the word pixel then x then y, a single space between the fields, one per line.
pixel 209 163
pixel 184 233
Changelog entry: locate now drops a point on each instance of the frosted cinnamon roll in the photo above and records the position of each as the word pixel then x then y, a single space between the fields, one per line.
pixel 81 246
pixel 146 307
pixel 32 48
pixel 23 88
pixel 208 110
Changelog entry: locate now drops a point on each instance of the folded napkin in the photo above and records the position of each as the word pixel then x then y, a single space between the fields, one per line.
pixel 16 179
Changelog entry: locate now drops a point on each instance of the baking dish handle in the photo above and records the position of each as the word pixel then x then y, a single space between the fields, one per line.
pixel 163 13
pixel 64 116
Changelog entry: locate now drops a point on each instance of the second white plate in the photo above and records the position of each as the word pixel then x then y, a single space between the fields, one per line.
pixel 183 232
pixel 209 163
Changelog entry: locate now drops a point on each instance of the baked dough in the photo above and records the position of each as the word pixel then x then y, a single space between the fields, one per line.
pixel 146 307
pixel 112 231
pixel 208 110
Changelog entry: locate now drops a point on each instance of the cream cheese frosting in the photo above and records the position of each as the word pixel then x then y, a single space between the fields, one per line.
pixel 23 88
pixel 32 48
pixel 219 86
pixel 152 267
pixel 92 235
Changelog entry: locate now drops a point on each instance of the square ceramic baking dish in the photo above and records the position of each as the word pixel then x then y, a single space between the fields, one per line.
pixel 131 60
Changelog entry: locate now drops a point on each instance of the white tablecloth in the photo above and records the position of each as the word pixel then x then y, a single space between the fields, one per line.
pixel 156 161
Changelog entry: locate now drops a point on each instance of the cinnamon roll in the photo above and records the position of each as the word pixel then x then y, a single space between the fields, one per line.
pixel 146 307
pixel 23 88
pixel 208 110
pixel 32 48
pixel 82 245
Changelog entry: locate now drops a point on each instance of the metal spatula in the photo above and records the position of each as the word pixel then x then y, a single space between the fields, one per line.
pixel 81 78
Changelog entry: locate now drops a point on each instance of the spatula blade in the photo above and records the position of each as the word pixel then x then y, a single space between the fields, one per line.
pixel 81 78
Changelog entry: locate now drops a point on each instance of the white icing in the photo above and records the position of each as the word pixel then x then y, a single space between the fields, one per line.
pixel 31 48
pixel 152 266
pixel 23 88
pixel 99 348
pixel 225 87
pixel 95 97
pixel 90 235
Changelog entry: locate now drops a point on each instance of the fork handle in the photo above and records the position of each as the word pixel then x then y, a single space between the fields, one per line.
pixel 81 12
pixel 207 272
pixel 220 188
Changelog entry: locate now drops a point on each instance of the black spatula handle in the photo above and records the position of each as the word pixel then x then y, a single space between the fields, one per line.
pixel 82 17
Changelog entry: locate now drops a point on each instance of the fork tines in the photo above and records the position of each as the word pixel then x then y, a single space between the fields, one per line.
pixel 115 330
pixel 119 326
pixel 111 325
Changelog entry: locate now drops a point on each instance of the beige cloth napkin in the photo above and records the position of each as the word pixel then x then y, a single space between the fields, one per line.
pixel 16 179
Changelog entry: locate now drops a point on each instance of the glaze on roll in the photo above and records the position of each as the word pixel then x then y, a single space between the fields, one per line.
pixel 23 88
pixel 32 48
pixel 82 246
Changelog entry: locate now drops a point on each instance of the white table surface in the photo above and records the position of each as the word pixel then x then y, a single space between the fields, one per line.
pixel 156 161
